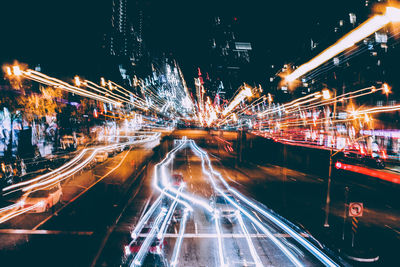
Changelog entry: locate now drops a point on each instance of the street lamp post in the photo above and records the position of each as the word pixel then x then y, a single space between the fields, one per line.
pixel 328 190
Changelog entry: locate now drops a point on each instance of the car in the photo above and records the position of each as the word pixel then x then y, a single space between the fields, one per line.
pixel 156 247
pixel 358 153
pixel 177 179
pixel 44 199
pixel 90 165
pixel 68 142
pixel 224 207
pixel 101 156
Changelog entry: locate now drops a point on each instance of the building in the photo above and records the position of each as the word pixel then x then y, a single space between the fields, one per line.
pixel 230 56
pixel 123 41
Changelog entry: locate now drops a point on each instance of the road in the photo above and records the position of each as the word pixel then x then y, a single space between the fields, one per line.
pixel 95 229
pixel 91 200
pixel 208 223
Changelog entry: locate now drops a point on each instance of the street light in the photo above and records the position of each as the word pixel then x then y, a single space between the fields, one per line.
pixel 8 71
pixel 17 71
pixel 326 94
pixel 77 81
pixel 269 98
pixel 386 88
pixel 103 82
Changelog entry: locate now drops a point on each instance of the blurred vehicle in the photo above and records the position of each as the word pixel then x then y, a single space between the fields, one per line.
pixel 114 151
pixel 81 139
pixel 177 179
pixel 48 197
pixel 90 165
pixel 156 247
pixel 178 214
pixel 101 156
pixel 358 153
pixel 226 210
pixel 68 142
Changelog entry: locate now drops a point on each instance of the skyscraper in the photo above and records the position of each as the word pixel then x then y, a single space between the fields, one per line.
pixel 123 39
pixel 119 27
pixel 230 56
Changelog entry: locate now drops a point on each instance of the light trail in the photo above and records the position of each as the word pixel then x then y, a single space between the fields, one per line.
pixel 253 251
pixel 54 177
pixel 304 242
pixel 161 233
pixel 21 211
pixel 278 243
pixel 15 205
pixel 219 238
pixel 364 30
pixel 146 217
pixel 74 160
pixel 139 257
pixel 44 79
pixel 167 185
pixel 178 243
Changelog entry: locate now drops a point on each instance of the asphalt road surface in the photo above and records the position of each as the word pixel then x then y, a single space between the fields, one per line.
pixel 202 221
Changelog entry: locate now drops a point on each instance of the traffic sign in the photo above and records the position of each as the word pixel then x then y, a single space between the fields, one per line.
pixel 356 209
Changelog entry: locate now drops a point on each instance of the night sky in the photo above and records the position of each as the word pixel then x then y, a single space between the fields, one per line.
pixel 65 36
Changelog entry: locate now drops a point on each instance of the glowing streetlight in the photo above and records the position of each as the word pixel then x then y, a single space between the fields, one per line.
pixel 17 71
pixel 103 82
pixel 326 94
pixel 269 98
pixel 8 71
pixel 393 14
pixel 77 81
pixel 386 88
pixel 234 117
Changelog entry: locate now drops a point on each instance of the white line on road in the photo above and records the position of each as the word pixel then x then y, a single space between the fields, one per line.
pixel 394 230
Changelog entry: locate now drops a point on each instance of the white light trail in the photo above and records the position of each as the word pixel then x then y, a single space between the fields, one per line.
pixel 320 255
pixel 161 233
pixel 219 238
pixel 161 168
pixel 144 248
pixel 178 243
pixel 310 247
pixel 304 242
pixel 145 218
pixel 21 211
pixel 364 30
pixel 59 174
pixel 253 251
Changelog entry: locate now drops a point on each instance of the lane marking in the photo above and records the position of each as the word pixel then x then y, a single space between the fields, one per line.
pixel 394 230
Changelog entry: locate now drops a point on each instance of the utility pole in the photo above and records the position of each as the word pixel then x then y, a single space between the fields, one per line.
pixel 331 154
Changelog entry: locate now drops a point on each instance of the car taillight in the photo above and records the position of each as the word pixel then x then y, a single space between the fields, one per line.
pixel 338 165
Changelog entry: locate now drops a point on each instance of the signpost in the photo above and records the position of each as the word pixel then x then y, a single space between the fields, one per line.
pixel 356 209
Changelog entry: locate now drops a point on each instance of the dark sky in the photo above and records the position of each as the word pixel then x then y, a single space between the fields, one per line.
pixel 65 36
